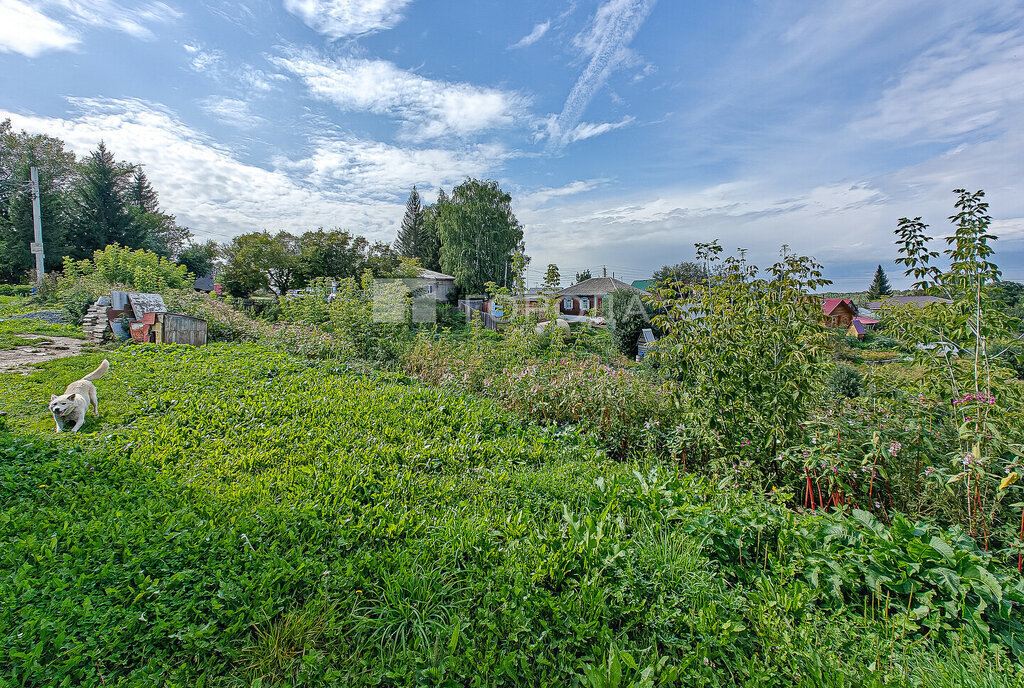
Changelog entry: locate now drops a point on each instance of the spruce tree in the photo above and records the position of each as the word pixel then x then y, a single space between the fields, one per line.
pixel 101 216
pixel 879 285
pixel 408 242
pixel 583 276
pixel 140 193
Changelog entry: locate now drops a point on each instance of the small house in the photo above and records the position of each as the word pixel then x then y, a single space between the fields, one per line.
pixel 866 321
pixel 589 294
pixel 838 312
pixel 436 284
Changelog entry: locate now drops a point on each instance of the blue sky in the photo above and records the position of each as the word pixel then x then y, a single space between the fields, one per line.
pixel 625 130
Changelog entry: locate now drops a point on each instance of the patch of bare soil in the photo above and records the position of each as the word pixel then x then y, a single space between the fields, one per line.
pixel 18 360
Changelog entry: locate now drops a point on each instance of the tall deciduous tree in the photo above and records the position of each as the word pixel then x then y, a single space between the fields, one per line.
pixel 261 260
pixel 200 258
pixel 879 285
pixel 479 235
pixel 334 253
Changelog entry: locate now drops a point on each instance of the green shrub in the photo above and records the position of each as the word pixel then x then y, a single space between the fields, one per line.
pixel 141 270
pixel 845 381
pixel 15 289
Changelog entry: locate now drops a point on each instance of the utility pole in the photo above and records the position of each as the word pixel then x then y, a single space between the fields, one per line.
pixel 37 226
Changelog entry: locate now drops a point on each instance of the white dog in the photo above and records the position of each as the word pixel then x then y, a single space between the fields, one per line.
pixel 70 407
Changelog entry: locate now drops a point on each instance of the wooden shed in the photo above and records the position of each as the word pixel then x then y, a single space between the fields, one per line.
pixel 177 328
pixel 169 328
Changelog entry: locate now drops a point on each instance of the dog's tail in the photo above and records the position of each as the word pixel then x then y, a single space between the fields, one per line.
pixel 99 372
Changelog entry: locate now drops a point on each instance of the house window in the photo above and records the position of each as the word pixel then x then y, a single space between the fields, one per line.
pixel 584 303
pixel 430 289
pixel 567 303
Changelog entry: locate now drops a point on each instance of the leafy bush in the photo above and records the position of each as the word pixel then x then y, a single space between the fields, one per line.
pixel 15 289
pixel 845 381
pixel 744 350
pixel 141 270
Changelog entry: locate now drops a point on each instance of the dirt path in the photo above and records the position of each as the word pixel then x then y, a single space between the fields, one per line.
pixel 18 360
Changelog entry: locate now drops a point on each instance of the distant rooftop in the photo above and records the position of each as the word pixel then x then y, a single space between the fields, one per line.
pixel 430 274
pixel 596 285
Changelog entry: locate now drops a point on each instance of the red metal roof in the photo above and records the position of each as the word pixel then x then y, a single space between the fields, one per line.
pixel 829 305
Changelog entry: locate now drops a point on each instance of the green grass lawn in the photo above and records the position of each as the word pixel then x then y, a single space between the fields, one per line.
pixel 241 517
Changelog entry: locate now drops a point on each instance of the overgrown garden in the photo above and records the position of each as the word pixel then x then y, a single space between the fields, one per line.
pixel 321 497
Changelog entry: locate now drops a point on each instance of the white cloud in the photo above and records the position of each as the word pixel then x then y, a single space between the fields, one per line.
pixel 133 19
pixel 535 35
pixel 542 196
pixel 342 18
pixel 204 60
pixel 52 24
pixel 25 30
pixel 380 170
pixel 427 108
pixel 586 130
pixel 243 78
pixel 607 45
pixel 972 83
pixel 231 111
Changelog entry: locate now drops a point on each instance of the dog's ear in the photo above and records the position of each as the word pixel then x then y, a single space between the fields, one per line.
pixel 71 397
pixel 52 397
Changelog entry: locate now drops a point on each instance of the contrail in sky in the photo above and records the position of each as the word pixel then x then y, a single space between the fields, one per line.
pixel 614 25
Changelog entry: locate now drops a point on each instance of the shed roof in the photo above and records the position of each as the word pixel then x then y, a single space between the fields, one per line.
pixel 647 336
pixel 830 305
pixel 595 286
pixel 431 274
pixel 203 283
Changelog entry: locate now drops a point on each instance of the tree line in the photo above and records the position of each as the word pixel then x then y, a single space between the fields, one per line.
pixel 472 235
pixel 85 204
pixel 95 201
